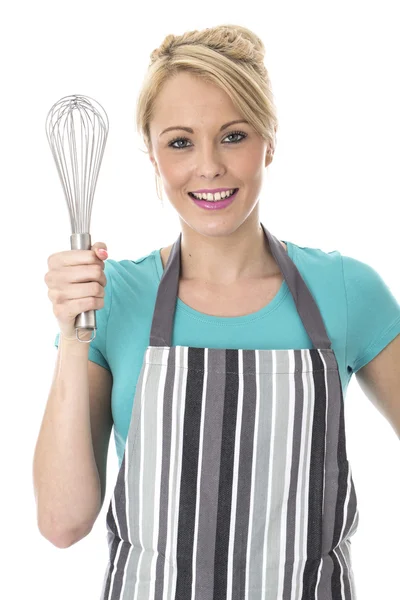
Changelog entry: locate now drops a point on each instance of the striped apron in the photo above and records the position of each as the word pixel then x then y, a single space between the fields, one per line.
pixel 235 482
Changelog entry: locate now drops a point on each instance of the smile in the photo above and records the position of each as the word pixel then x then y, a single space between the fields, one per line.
pixel 214 204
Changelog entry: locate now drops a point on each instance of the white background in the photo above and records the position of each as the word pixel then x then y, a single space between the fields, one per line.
pixel 333 185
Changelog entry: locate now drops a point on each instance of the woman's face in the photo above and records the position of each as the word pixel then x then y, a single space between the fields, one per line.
pixel 208 158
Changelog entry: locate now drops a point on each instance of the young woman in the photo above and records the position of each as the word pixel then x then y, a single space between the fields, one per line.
pixel 226 395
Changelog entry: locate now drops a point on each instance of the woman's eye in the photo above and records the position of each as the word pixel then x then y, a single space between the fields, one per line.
pixel 176 141
pixel 182 139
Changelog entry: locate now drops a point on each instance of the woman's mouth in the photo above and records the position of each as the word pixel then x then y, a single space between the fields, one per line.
pixel 214 204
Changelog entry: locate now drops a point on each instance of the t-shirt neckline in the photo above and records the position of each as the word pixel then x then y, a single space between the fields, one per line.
pixel 241 320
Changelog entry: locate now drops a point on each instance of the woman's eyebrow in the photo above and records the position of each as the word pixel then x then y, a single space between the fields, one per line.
pixel 190 130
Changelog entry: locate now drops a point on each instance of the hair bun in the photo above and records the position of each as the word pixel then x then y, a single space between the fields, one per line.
pixel 235 41
pixel 165 48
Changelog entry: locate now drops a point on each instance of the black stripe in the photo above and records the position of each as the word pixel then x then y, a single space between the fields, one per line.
pixel 316 481
pixel 120 498
pixel 111 525
pixel 343 474
pixel 188 485
pixel 341 498
pixel 125 547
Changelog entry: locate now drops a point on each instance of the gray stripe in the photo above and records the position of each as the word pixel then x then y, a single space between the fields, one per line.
pixel 209 469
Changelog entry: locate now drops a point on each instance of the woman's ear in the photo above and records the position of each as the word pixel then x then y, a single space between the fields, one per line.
pixel 269 156
pixel 154 163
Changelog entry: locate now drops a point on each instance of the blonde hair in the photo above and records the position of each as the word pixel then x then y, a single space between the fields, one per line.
pixel 229 56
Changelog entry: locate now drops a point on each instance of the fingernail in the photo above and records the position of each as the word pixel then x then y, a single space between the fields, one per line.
pixel 103 253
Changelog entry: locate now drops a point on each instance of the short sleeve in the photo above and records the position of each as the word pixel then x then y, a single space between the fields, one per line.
pixel 373 313
pixel 98 346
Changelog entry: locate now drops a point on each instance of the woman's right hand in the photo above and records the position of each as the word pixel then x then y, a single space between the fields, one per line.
pixel 76 283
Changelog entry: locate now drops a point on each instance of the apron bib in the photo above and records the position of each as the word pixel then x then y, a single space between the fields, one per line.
pixel 235 482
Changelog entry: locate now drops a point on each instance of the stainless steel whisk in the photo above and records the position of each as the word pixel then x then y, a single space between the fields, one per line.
pixel 77 130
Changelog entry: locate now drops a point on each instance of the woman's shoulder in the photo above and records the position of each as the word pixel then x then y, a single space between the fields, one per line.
pixel 140 273
pixel 313 257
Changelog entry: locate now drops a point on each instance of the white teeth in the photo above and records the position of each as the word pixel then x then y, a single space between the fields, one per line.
pixel 213 197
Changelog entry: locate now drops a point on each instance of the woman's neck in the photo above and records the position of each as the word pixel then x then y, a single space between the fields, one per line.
pixel 221 261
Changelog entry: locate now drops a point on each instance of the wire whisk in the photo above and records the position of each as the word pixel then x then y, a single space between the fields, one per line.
pixel 77 130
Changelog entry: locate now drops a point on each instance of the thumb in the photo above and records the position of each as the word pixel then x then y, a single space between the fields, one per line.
pixel 96 246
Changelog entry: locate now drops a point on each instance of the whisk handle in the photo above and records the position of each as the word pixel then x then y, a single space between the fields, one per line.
pixel 87 319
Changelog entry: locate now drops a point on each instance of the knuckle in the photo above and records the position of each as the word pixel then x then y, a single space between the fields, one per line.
pixel 97 287
pixel 99 271
pixel 49 278
pixel 58 296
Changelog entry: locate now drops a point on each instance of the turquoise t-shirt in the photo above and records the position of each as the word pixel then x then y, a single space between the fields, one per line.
pixel 360 314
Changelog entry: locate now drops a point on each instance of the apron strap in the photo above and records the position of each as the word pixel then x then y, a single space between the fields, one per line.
pixel 164 311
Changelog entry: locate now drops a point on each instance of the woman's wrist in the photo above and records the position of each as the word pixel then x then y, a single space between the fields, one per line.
pixel 84 336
